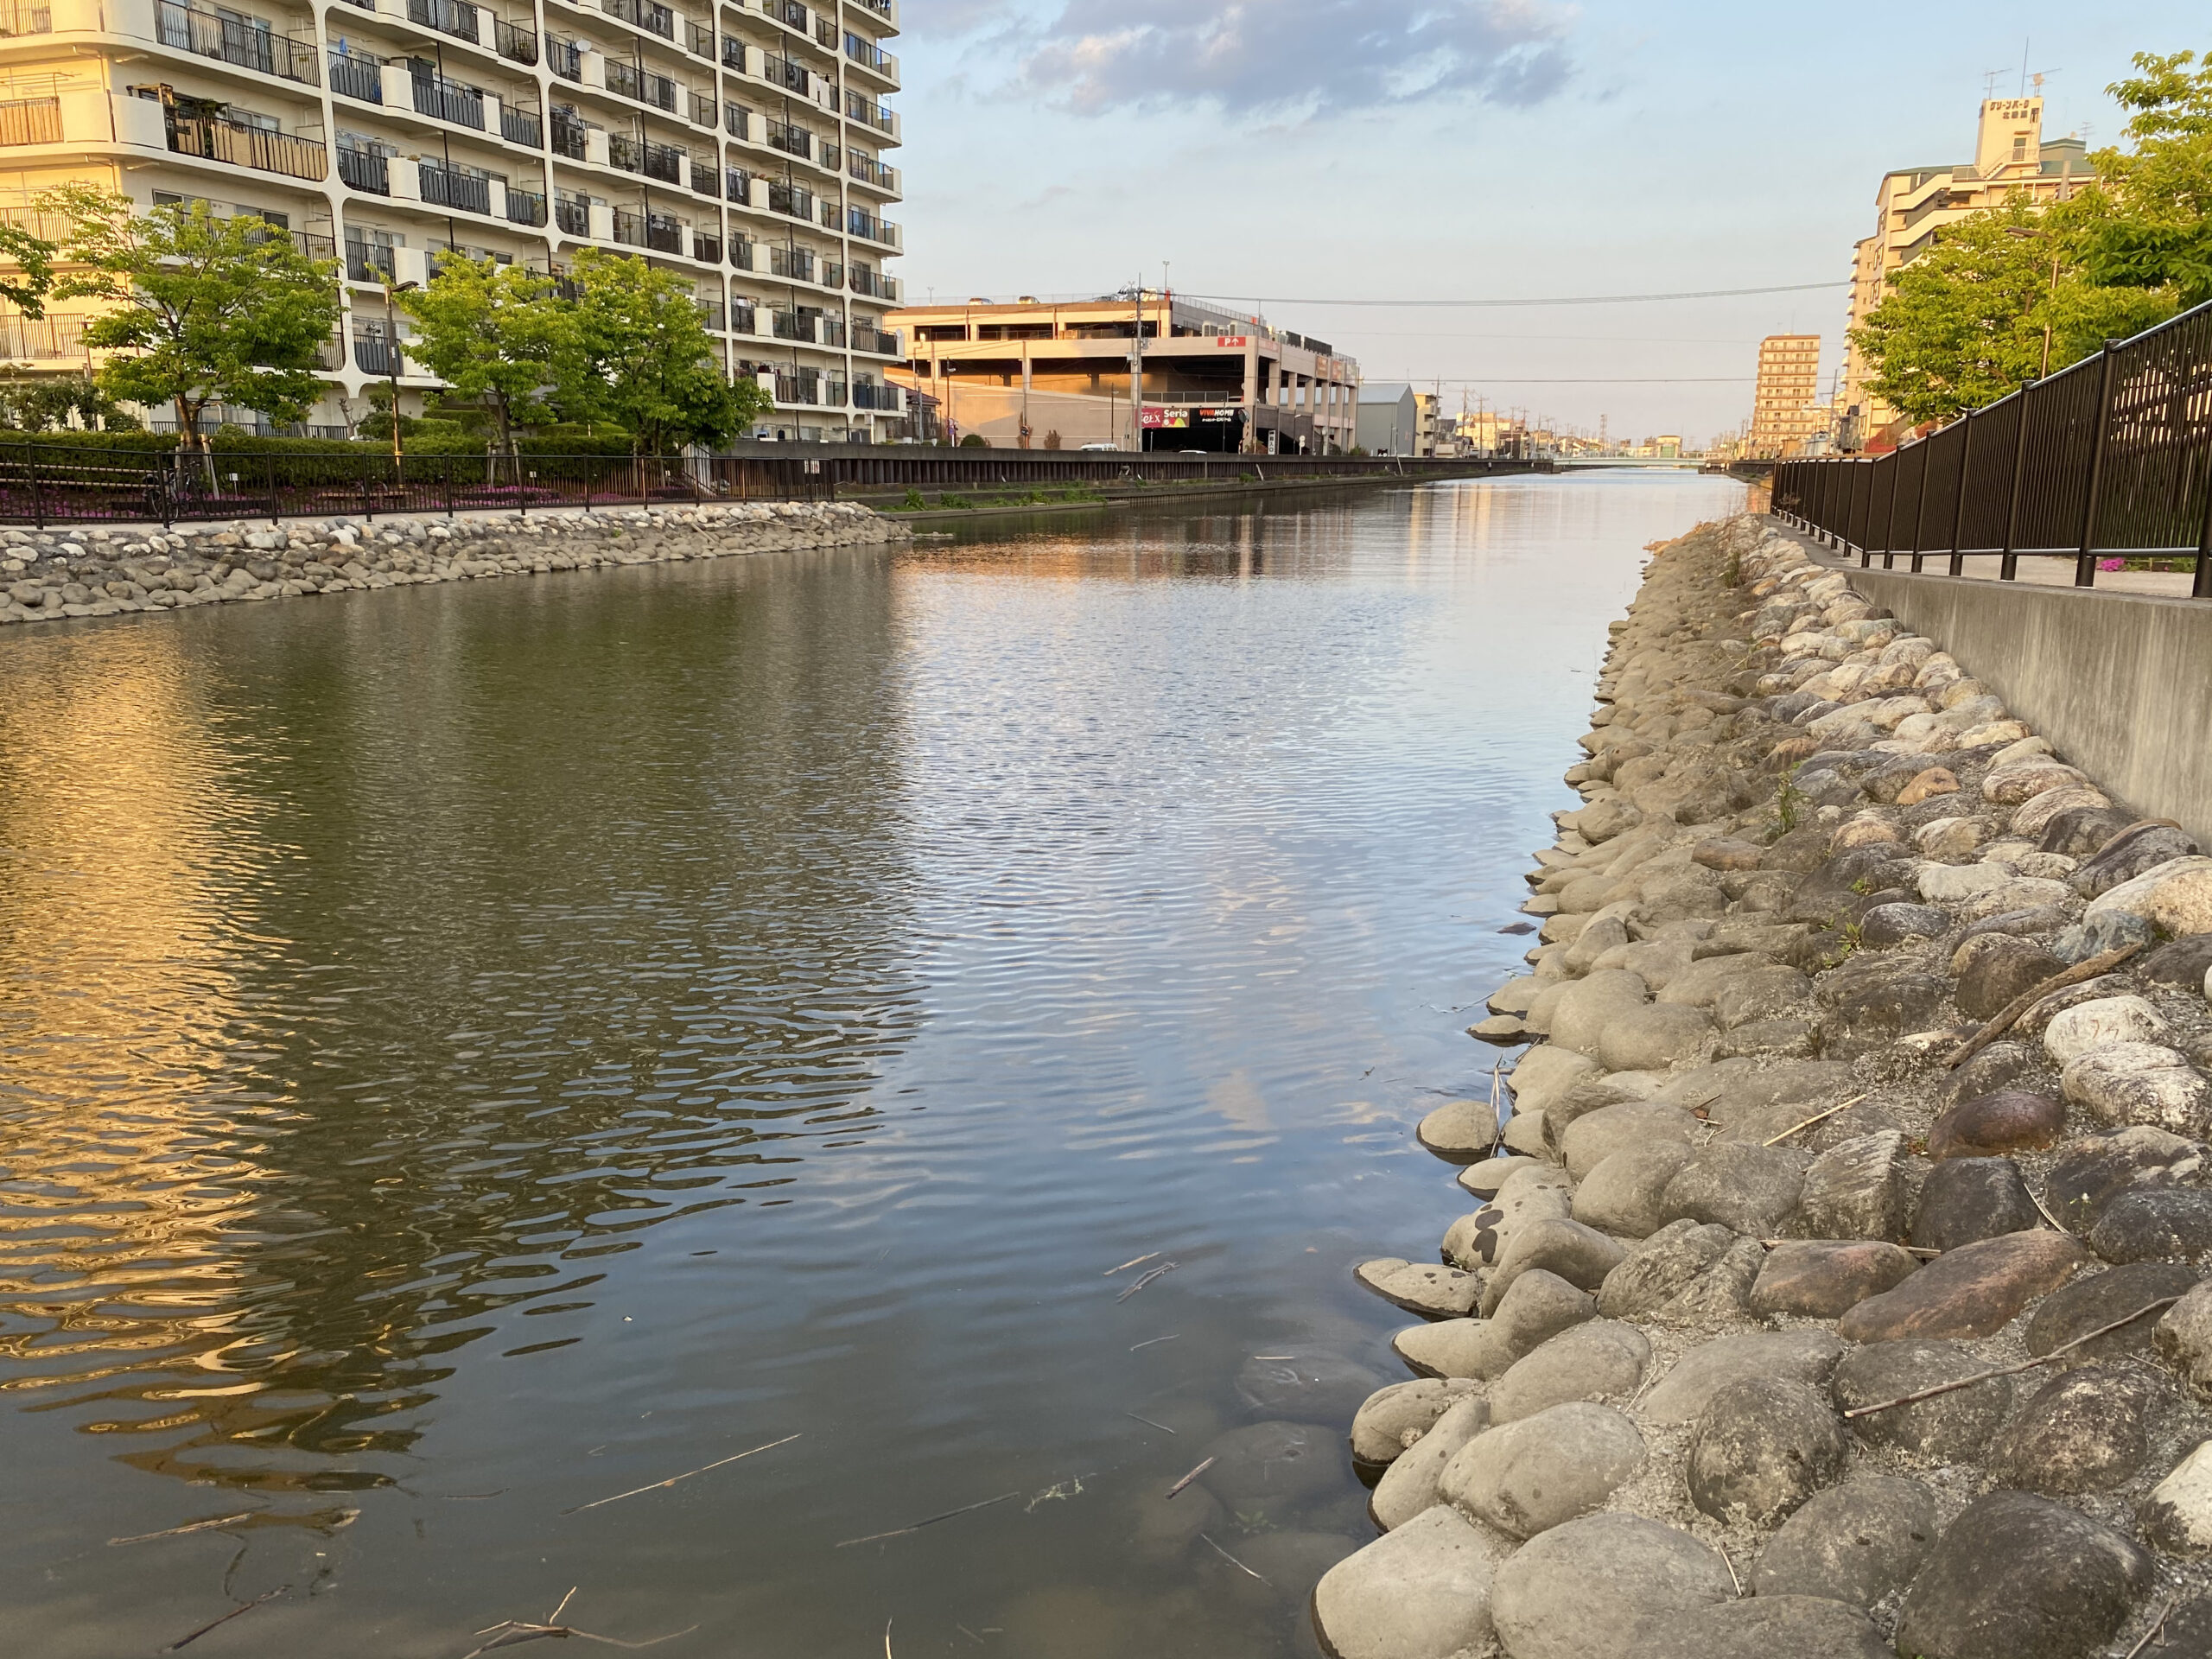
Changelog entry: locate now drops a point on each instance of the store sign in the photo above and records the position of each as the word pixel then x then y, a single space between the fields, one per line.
pixel 1231 414
pixel 1231 341
pixel 1152 417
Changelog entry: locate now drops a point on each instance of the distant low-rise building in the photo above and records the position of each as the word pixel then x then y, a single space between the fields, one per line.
pixel 1138 371
pixel 1395 419
pixel 1913 205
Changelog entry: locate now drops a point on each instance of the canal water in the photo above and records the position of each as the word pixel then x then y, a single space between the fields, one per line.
pixel 472 1056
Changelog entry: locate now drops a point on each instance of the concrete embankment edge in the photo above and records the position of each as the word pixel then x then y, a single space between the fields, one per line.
pixel 2120 682
pixel 1787 1326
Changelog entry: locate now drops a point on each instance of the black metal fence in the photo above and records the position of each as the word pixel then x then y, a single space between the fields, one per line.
pixel 2110 459
pixel 43 485
pixel 49 484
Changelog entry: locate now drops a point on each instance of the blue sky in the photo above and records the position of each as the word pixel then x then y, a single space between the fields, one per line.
pixel 1335 150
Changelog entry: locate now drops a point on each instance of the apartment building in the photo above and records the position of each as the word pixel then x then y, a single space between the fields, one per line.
pixel 1032 373
pixel 745 145
pixel 1396 419
pixel 1913 205
pixel 1786 413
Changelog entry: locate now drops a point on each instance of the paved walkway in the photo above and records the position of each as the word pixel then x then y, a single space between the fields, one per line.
pixel 2039 569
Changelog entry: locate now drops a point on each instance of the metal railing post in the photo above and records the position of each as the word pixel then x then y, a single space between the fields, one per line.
pixel 269 473
pixel 38 496
pixel 1959 505
pixel 2202 588
pixel 2085 561
pixel 2008 564
pixel 1920 507
pixel 368 493
pixel 1890 512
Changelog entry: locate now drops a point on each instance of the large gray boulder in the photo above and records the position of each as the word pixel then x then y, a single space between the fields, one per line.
pixel 1422 1592
pixel 1590 1587
pixel 1532 1474
pixel 1857 1542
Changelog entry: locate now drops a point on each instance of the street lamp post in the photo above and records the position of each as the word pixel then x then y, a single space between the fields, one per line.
pixel 391 292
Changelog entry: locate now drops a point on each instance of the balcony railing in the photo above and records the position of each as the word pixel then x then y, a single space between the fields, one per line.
pixel 249 43
pixel 868 54
pixel 868 170
pixel 215 139
pixel 43 340
pixel 782 72
pixel 572 215
pixel 630 81
pixel 737 185
pixel 868 227
pixel 449 100
pixel 792 141
pixel 647 14
pixel 522 127
pixel 568 131
pixel 737 120
pixel 874 284
pixel 869 394
pixel 564 58
pixel 373 354
pixel 790 325
pixel 710 313
pixel 449 188
pixel 832 330
pixel 803 387
pixel 741 254
pixel 356 75
pixel 366 261
pixel 790 13
pixel 22 17
pixel 525 207
pixel 794 264
pixel 364 169
pixel 515 43
pixel 699 39
pixel 454 18
pixel 875 342
pixel 732 54
pixel 706 248
pixel 791 198
pixel 868 112
pixel 825 33
pixel 741 317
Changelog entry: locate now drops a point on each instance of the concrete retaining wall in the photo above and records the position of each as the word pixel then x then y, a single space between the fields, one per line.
pixel 2122 683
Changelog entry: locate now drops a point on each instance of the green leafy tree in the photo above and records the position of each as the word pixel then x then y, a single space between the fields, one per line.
pixel 204 311
pixel 1970 320
pixel 649 365
pixel 42 403
pixel 28 284
pixel 2147 221
pixel 501 335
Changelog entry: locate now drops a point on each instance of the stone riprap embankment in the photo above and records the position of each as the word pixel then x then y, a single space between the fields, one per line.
pixel 83 571
pixel 1784 1324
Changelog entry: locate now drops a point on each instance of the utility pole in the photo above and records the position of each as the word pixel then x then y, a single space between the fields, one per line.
pixel 1136 375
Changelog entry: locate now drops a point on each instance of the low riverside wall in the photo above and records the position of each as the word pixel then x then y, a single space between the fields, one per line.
pixel 1833 1285
pixel 2122 682
pixel 91 571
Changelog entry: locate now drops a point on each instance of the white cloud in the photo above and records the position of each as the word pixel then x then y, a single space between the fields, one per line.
pixel 1291 57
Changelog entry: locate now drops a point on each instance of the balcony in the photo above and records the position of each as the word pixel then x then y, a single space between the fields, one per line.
pixel 870 56
pixel 699 39
pixel 790 13
pixel 869 113
pixel 737 120
pixel 662 162
pixel 568 129
pixel 648 15
pixel 564 58
pixel 703 170
pixel 869 171
pixel 248 43
pixel 792 141
pixel 628 80
pixel 448 100
pixel 43 340
pixel 732 54
pixel 22 17
pixel 833 331
pixel 792 325
pixel 741 256
pixel 790 199
pixel 741 317
pixel 572 214
pixel 710 313
pixel 868 395
pixel 366 261
pixel 522 127
pixel 793 264
pixel 662 233
pixel 874 284
pixel 445 187
pixel 454 18
pixel 219 138
pixel 364 169
pixel 706 248
pixel 875 341
pixel 782 72
pixel 801 387
pixel 373 354
pixel 357 75
pixel 869 228
pixel 737 185
pixel 525 207
pixel 515 43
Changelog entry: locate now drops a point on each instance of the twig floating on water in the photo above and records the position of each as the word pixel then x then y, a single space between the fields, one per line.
pixel 1165 1267
pixel 247 1607
pixel 1148 1343
pixel 189 1526
pixel 1148 1422
pixel 2011 1371
pixel 887 1639
pixel 900 1532
pixel 513 1632
pixel 1231 1559
pixel 660 1484
pixel 1188 1479
pixel 1274 1355
pixel 1137 1262
pixel 1817 1117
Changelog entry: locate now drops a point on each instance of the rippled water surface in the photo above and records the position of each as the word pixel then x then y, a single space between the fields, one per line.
pixel 467 1053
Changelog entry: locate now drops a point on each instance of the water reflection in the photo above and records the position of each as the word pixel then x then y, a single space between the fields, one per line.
pixel 471 1052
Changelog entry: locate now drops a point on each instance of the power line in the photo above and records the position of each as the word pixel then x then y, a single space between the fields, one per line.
pixel 1604 380
pixel 1579 299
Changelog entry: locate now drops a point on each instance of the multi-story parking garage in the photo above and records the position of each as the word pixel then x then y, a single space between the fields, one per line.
pixel 745 145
